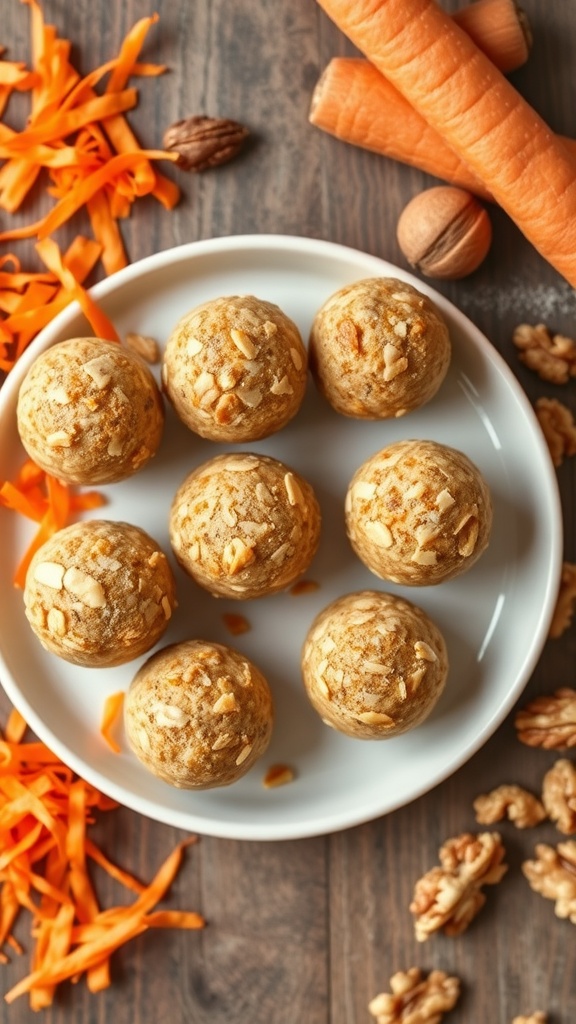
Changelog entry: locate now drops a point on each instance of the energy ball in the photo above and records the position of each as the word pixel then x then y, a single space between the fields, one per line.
pixel 99 593
pixel 90 412
pixel 418 513
pixel 235 369
pixel 244 526
pixel 379 349
pixel 373 665
pixel 198 715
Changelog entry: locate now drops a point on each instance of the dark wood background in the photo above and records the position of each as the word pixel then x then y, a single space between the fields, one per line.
pixel 308 932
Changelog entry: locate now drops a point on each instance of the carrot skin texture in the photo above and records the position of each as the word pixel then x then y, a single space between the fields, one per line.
pixel 356 104
pixel 528 170
pixel 499 28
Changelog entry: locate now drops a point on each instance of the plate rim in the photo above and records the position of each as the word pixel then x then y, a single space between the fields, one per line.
pixel 331 822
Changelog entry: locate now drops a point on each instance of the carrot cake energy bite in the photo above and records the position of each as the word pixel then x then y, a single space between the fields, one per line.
pixel 379 348
pixel 99 593
pixel 373 665
pixel 90 412
pixel 244 526
pixel 418 513
pixel 235 369
pixel 198 714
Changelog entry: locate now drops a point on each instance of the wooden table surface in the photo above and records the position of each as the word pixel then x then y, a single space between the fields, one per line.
pixel 307 932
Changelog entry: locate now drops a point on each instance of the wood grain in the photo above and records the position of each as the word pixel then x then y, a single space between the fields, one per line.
pixel 308 932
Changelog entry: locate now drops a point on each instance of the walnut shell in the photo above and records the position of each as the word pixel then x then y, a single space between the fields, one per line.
pixel 444 232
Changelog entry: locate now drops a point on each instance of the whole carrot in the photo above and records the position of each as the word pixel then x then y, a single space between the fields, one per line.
pixel 461 94
pixel 354 102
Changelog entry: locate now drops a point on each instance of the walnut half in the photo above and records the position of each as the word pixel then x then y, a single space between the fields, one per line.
pixel 203 142
pixel 553 875
pixel 549 721
pixel 414 999
pixel 517 804
pixel 558 427
pixel 551 356
pixel 448 897
pixel 559 795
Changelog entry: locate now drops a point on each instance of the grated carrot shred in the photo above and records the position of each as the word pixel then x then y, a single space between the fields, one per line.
pixel 112 709
pixel 45 814
pixel 45 500
pixel 50 254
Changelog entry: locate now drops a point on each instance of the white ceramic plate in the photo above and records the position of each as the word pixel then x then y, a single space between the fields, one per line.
pixel 495 618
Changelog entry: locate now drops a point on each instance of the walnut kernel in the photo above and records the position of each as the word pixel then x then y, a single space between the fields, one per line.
pixel 513 802
pixel 558 427
pixel 203 142
pixel 448 897
pixel 559 795
pixel 552 357
pixel 415 999
pixel 553 875
pixel 549 721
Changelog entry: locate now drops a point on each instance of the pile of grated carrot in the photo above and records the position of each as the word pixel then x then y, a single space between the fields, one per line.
pixel 79 143
pixel 44 813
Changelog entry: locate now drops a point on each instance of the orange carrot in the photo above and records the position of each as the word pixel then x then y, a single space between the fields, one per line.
pixel 81 138
pixel 47 501
pixel 101 325
pixel 125 923
pixel 45 812
pixel 356 104
pixel 32 300
pixel 15 727
pixel 112 709
pixel 13 75
pixel 463 96
pixel 64 123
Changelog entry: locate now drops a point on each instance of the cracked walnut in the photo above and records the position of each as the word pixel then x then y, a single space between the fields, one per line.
pixel 415 999
pixel 448 897
pixel 559 795
pixel 553 875
pixel 512 802
pixel 549 721
pixel 551 356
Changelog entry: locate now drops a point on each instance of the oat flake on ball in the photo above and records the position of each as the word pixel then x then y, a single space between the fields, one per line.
pixel 244 526
pixel 99 593
pixel 418 513
pixel 90 412
pixel 198 715
pixel 379 349
pixel 235 369
pixel 374 665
